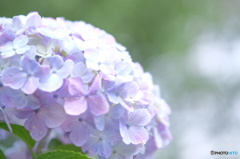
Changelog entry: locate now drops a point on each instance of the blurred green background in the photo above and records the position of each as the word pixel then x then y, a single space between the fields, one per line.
pixel 181 43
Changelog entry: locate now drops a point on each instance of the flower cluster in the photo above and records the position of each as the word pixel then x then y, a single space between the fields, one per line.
pixel 76 79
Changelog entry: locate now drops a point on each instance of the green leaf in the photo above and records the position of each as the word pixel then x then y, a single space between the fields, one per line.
pixel 62 154
pixel 54 143
pixel 21 132
pixel 69 147
pixel 2 156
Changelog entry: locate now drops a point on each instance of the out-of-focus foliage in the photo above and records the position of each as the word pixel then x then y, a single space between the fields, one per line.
pixel 145 27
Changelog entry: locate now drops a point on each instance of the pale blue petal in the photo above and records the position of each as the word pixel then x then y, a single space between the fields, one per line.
pixel 53 83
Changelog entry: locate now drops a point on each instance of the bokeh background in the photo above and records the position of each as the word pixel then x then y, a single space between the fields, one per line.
pixel 191 47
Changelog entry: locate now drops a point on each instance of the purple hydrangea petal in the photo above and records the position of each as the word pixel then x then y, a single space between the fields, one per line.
pixel 104 149
pixel 79 135
pixel 36 126
pixel 123 68
pixel 128 150
pixel 13 98
pixel 66 69
pixel 17 22
pixel 34 20
pixel 42 72
pixel 31 85
pixel 95 85
pixel 6 36
pixel 129 90
pixel 99 122
pixel 53 115
pixel 29 65
pixel 117 111
pixel 138 135
pixel 79 69
pixel 124 133
pixel 14 77
pixel 98 104
pixel 23 113
pixel 140 117
pixel 69 123
pixel 75 106
pixel 76 86
pixel 91 146
pixel 55 62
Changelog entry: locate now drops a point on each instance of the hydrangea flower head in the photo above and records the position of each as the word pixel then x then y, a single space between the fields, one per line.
pixel 75 78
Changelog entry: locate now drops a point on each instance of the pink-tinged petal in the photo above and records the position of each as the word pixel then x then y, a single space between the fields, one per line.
pixel 53 83
pixel 138 135
pixel 129 90
pixel 96 85
pixel 31 85
pixel 104 149
pixel 124 133
pixel 79 134
pixel 66 69
pixel 20 41
pixel 140 117
pixel 98 104
pixel 13 77
pixel 75 106
pixel 75 86
pixel 53 114
pixel 37 127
